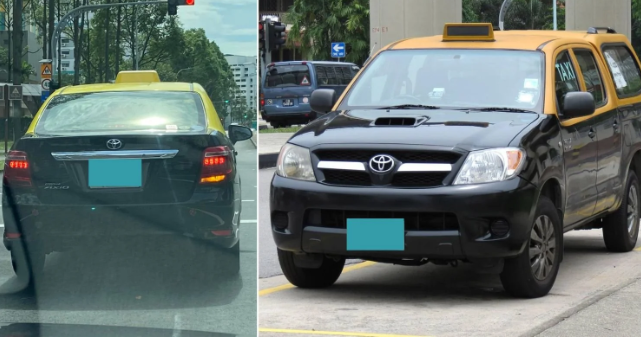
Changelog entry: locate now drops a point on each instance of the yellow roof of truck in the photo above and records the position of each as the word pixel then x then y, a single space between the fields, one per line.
pixel 520 39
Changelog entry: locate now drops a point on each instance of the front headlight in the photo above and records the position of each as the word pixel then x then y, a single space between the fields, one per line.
pixel 295 162
pixel 490 165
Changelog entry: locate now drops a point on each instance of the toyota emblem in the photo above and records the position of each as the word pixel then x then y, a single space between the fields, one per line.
pixel 381 163
pixel 114 144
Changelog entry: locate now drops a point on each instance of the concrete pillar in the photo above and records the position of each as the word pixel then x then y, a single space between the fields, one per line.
pixel 393 20
pixel 582 14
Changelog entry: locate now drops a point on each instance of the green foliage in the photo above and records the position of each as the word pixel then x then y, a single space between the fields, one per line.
pixel 316 24
pixel 114 39
pixel 522 14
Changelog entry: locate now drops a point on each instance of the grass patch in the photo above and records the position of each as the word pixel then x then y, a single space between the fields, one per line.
pixel 280 130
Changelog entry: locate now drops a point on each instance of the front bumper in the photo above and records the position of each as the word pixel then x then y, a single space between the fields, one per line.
pixel 296 227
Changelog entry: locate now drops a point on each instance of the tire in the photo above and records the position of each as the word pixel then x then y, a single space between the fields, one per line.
pixel 621 228
pixel 519 277
pixel 324 276
pixel 27 267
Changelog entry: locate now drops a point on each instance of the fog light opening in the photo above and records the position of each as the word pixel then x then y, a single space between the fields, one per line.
pixel 280 220
pixel 499 228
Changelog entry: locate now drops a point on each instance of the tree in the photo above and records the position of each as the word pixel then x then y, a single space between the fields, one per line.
pixel 522 14
pixel 316 24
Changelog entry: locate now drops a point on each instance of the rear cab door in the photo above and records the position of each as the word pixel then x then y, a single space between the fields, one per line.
pixel 622 67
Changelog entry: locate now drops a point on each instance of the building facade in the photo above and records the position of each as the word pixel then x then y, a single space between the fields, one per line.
pixel 245 76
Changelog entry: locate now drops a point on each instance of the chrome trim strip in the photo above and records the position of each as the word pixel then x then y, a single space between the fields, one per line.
pixel 423 167
pixel 131 154
pixel 340 165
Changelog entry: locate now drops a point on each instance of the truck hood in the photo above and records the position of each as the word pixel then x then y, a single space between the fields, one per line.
pixel 453 129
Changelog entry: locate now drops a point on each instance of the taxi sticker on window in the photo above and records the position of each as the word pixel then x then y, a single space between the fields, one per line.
pixel 305 81
pixel 525 97
pixel 531 84
pixel 437 93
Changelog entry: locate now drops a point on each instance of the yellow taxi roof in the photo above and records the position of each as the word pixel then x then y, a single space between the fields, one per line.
pixel 518 39
pixel 112 87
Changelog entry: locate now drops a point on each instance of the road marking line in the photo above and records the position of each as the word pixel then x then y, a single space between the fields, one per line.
pixel 637 249
pixel 290 286
pixel 248 221
pixel 335 333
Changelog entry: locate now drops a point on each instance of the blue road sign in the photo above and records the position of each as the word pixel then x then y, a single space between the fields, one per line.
pixel 338 49
pixel 44 95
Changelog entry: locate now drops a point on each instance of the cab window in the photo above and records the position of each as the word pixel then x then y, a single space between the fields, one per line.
pixel 565 78
pixel 624 70
pixel 591 75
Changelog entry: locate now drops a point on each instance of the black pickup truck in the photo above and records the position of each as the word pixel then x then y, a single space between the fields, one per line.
pixel 475 146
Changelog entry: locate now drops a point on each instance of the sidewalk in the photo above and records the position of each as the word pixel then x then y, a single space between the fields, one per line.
pixel 270 145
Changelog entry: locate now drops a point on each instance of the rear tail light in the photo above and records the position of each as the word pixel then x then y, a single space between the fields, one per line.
pixel 17 170
pixel 217 165
pixel 262 102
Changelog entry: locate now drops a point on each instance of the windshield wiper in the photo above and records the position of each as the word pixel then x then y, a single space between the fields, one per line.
pixel 501 109
pixel 411 106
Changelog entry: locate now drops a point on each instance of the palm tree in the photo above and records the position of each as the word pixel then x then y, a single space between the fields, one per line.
pixel 318 23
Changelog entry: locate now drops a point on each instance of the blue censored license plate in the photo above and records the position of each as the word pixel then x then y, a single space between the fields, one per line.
pixel 375 234
pixel 124 173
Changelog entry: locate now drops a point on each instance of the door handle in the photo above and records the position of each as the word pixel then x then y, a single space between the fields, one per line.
pixel 615 125
pixel 591 133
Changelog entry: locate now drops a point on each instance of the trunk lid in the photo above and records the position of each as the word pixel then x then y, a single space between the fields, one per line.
pixel 171 167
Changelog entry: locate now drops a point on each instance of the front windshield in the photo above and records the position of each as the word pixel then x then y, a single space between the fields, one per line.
pixel 461 78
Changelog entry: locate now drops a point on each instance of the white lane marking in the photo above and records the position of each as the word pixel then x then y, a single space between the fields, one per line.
pixel 177 326
pixel 249 201
pixel 248 221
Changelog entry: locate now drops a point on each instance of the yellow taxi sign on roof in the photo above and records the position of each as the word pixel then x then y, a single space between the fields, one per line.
pixel 468 32
pixel 137 76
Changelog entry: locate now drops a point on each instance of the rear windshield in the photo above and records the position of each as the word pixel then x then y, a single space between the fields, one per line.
pixel 288 76
pixel 123 111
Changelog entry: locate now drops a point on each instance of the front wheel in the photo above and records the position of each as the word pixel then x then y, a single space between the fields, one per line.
pixel 324 276
pixel 532 273
pixel 621 229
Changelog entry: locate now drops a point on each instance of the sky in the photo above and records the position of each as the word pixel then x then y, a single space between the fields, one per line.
pixel 232 24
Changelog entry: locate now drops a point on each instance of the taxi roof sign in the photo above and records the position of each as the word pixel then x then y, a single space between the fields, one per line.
pixel 137 76
pixel 468 32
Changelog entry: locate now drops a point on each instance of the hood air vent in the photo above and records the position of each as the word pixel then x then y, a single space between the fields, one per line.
pixel 400 121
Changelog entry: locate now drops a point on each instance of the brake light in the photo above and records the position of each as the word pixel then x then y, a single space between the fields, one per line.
pixel 17 170
pixel 262 102
pixel 216 165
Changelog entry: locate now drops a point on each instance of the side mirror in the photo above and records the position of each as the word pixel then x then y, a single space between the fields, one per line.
pixel 577 104
pixel 323 100
pixel 239 133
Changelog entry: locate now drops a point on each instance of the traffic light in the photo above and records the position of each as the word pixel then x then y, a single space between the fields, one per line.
pixel 276 36
pixel 172 5
pixel 261 35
